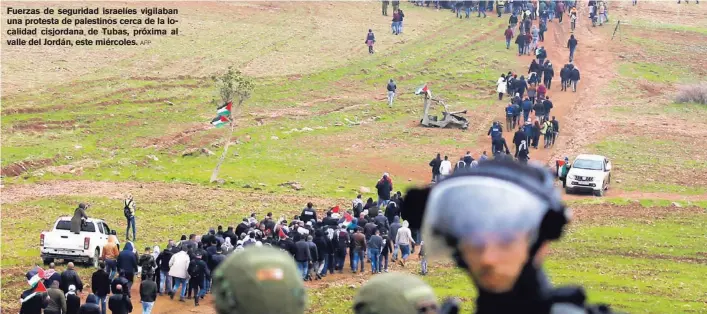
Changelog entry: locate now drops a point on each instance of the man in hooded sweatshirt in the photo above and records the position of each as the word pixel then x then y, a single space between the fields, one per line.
pixel 198 270
pixel 91 306
pixel 110 255
pixel 404 240
pixel 394 227
pixel 73 302
pixel 100 285
pixel 70 277
pixel 127 263
pixel 57 300
pixel 382 222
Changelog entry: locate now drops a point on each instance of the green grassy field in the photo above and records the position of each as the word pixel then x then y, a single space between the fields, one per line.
pixel 102 123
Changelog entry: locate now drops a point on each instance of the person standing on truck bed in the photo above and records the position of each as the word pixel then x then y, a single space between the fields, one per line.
pixel 78 219
pixel 129 212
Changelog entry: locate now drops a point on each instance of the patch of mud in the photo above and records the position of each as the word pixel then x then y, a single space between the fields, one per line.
pixel 18 168
pixel 38 125
pixel 182 137
pixel 607 212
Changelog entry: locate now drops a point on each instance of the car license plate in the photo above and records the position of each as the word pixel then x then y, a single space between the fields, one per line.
pixel 583 183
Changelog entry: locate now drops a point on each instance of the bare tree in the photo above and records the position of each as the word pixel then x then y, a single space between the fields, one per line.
pixel 236 88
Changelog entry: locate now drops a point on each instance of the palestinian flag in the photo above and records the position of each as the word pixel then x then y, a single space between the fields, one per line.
pixel 36 283
pixel 348 219
pixel 225 110
pixel 424 89
pixel 335 209
pixel 219 121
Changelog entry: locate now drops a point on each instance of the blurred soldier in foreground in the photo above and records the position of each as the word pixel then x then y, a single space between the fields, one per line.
pixel 258 280
pixel 495 221
pixel 395 293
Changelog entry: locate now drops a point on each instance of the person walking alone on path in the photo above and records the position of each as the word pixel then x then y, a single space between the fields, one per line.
pixel 572 45
pixel 129 211
pixel 391 92
pixel 370 40
pixel 385 4
pixel 509 35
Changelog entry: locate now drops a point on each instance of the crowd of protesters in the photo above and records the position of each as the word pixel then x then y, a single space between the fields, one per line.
pixel 370 233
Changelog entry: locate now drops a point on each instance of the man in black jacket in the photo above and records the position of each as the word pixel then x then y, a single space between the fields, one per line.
pixel 435 164
pixel 324 251
pixel 518 137
pixel 549 74
pixel 286 244
pixel 384 187
pixel 574 78
pixel 216 259
pixel 382 222
pixel 100 285
pixel 148 293
pixel 302 255
pixel 163 269
pixel 341 243
pixel 329 221
pixel 198 270
pixel 313 265
pixel 520 86
pixel 555 129
pixel 547 105
pixel 229 233
pixel 308 213
pixel 70 277
pixel 564 77
pixel 241 228
pixel 119 302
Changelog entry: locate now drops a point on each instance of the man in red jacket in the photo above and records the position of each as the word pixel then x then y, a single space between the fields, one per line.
pixel 509 35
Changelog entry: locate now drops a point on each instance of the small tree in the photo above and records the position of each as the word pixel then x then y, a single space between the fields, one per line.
pixel 233 87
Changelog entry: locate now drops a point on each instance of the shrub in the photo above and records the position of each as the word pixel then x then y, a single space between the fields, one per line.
pixel 696 93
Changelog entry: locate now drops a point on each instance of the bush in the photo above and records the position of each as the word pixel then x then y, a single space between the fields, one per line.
pixel 696 93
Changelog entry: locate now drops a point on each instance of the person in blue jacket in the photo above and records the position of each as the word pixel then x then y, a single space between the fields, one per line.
pixel 527 106
pixel 127 263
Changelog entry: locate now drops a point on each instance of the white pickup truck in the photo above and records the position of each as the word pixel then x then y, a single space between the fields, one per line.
pixel 86 247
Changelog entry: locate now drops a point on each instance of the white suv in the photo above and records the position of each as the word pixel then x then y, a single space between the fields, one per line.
pixel 589 173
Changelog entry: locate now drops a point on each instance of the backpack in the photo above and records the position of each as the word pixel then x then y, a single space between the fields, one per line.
pixel 192 269
pixel 126 209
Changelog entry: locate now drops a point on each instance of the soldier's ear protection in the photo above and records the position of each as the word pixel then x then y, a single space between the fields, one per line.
pixel 535 179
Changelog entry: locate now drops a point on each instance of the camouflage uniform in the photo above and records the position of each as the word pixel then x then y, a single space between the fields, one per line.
pixel 258 280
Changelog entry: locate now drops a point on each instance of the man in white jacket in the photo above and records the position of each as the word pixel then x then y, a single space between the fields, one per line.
pixel 445 167
pixel 403 239
pixel 178 265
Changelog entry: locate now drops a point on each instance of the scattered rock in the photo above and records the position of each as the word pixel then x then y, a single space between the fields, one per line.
pixel 409 179
pixel 220 181
pixel 341 186
pixel 274 137
pixel 365 71
pixel 169 102
pixel 68 157
pixel 215 144
pixel 364 189
pixel 78 147
pixel 676 204
pixel 207 152
pixel 235 154
pixel 115 173
pixel 258 189
pixel 247 186
pixel 153 157
pixel 261 184
pixel 190 152
pixel 293 184
pixel 306 129
pixel 618 181
pixel 338 124
pixel 352 286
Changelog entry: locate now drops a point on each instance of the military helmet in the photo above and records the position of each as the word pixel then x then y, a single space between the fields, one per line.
pixel 395 293
pixel 259 280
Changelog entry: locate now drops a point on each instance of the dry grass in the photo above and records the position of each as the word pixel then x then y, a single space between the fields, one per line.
pixel 696 93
